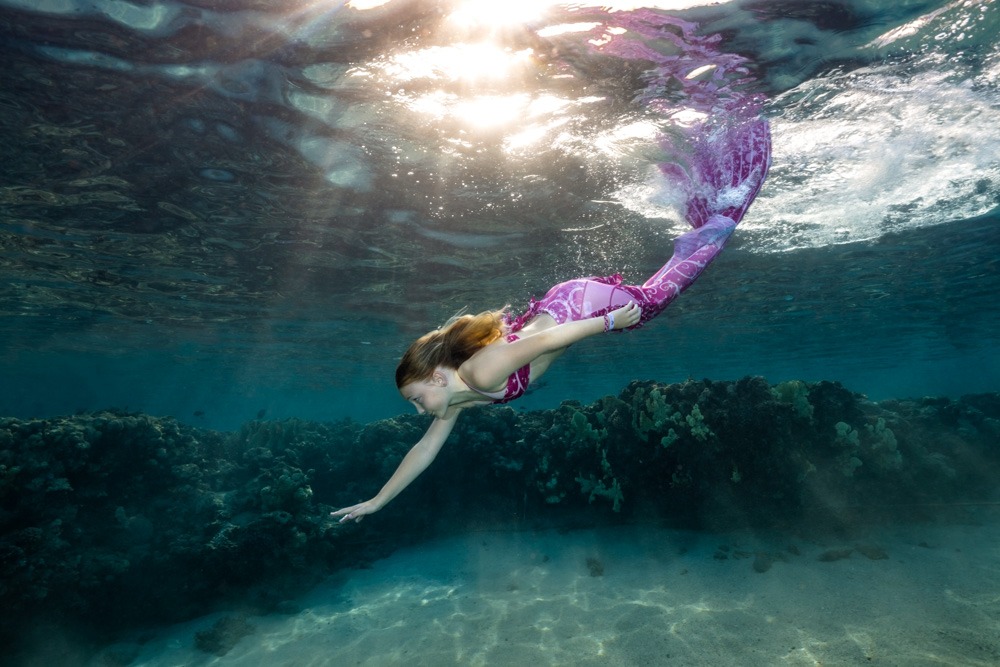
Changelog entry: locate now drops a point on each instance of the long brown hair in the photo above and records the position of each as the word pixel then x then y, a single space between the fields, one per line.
pixel 449 347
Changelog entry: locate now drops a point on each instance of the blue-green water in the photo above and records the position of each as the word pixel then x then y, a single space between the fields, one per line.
pixel 227 211
pixel 223 209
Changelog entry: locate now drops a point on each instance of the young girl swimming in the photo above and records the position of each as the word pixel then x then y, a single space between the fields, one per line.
pixel 491 358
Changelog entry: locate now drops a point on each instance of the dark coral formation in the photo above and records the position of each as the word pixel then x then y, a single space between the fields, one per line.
pixel 118 519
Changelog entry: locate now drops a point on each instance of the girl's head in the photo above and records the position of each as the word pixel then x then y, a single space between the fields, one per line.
pixel 449 347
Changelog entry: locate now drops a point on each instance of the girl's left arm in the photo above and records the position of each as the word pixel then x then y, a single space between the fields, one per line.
pixel 495 362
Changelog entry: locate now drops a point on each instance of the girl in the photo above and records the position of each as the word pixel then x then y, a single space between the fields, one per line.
pixel 491 358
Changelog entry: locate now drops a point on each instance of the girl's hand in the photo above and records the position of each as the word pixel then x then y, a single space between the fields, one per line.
pixel 627 315
pixel 357 512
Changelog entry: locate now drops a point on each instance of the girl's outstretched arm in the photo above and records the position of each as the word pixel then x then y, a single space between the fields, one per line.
pixel 414 463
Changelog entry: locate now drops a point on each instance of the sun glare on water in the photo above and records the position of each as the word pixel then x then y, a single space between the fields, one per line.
pixel 457 62
pixel 472 76
pixel 469 83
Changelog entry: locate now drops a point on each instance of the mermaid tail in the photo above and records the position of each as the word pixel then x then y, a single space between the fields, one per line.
pixel 729 159
pixel 727 170
pixel 693 251
pixel 725 175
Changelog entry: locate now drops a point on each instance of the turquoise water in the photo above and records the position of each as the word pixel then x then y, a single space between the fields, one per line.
pixel 225 212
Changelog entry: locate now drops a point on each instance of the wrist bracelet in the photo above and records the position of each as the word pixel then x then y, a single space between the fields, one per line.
pixel 609 322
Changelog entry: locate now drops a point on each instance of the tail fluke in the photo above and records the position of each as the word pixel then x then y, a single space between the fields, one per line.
pixel 726 171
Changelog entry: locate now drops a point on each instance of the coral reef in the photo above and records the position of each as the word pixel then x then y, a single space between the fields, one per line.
pixel 101 512
pixel 796 394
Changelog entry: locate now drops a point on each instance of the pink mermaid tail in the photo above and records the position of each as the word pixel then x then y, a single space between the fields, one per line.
pixel 724 177
pixel 726 172
pixel 728 151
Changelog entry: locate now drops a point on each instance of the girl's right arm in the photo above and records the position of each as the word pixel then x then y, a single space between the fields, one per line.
pixel 414 463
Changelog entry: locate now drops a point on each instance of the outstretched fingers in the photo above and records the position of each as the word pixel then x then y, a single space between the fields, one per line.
pixel 353 513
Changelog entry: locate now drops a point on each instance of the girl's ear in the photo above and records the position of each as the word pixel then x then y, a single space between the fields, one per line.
pixel 439 378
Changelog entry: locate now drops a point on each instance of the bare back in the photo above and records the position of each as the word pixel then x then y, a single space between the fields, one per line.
pixel 538 366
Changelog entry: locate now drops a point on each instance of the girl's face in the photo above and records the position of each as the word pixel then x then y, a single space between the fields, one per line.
pixel 428 396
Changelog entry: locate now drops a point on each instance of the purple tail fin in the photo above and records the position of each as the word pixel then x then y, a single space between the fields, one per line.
pixel 726 172
pixel 729 150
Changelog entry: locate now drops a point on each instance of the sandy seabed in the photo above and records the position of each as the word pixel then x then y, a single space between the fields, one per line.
pixel 916 594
